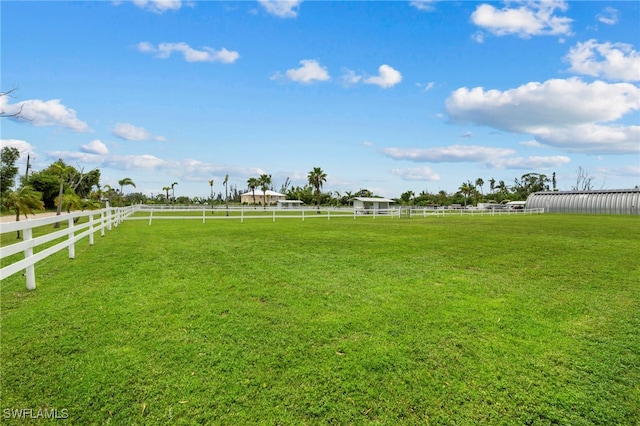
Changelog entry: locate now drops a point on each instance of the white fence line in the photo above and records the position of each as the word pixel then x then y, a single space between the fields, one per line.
pixel 471 212
pixel 99 220
pixel 242 213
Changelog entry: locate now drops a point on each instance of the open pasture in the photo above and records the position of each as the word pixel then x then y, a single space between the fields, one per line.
pixel 457 320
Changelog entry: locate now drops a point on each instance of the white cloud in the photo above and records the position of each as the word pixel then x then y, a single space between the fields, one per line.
pixel 281 8
pixel 528 163
pixel 424 5
pixel 608 16
pixel 309 72
pixel 426 86
pixel 95 147
pixel 23 146
pixel 450 154
pixel 77 157
pixel 532 143
pixel 500 158
pixel 568 114
pixel 529 19
pixel 130 132
pixel 350 77
pixel 416 173
pixel 613 61
pixel 158 6
pixel 387 77
pixel 207 54
pixel 45 113
pixel 132 162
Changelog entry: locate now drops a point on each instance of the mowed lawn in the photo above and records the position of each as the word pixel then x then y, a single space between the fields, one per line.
pixel 456 320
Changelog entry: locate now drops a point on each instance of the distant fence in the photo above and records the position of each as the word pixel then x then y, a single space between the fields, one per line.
pixel 155 212
pixel 75 230
pixel 417 212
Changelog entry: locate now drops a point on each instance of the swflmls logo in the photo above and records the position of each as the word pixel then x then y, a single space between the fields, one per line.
pixel 29 413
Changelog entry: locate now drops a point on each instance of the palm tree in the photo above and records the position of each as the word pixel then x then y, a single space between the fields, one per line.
pixel 124 182
pixel 25 200
pixel 480 184
pixel 166 189
pixel 502 187
pixel 211 185
pixel 226 192
pixel 264 181
pixel 253 183
pixel 466 189
pixel 316 178
pixel 173 192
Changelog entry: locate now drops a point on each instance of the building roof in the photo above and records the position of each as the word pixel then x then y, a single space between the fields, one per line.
pixel 372 199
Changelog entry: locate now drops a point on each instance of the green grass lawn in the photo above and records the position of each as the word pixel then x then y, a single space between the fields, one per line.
pixel 457 320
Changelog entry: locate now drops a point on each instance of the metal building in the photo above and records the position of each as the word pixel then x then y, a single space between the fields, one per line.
pixel 608 201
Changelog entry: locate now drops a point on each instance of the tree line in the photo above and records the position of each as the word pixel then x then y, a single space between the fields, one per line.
pixel 63 187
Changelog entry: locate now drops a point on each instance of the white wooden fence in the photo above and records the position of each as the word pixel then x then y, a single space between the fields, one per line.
pixel 155 212
pixel 417 212
pixel 98 221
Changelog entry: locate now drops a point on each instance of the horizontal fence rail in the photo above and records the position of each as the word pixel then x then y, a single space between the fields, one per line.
pixel 97 221
pixel 151 213
pixel 414 212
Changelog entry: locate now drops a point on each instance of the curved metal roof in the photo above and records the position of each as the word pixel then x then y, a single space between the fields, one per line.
pixel 603 201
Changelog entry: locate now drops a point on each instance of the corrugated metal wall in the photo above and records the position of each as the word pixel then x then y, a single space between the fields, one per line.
pixel 613 201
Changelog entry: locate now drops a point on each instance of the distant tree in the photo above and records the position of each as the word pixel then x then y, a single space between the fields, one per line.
pixel 407 197
pixel 317 177
pixel 492 185
pixel 166 189
pixel 530 183
pixel 226 192
pixel 264 181
pixel 285 186
pixel 8 169
pixel 173 191
pixel 62 171
pixel 502 187
pixel 253 184
pixel 554 182
pixel 125 182
pixel 24 200
pixel 584 180
pixel 480 184
pixel 466 189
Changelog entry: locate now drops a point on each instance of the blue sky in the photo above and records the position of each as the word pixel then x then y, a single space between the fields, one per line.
pixel 388 96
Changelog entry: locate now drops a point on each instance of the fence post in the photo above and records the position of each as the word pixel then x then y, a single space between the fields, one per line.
pixel 203 215
pixel 328 214
pixel 274 215
pixel 72 246
pixel 108 208
pixel 242 215
pixel 30 270
pixel 150 216
pixel 303 215
pixel 102 222
pixel 91 229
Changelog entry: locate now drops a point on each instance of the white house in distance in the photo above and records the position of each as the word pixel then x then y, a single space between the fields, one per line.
pixel 272 197
pixel 371 203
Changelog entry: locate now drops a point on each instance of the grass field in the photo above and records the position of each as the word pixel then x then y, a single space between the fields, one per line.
pixel 457 320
